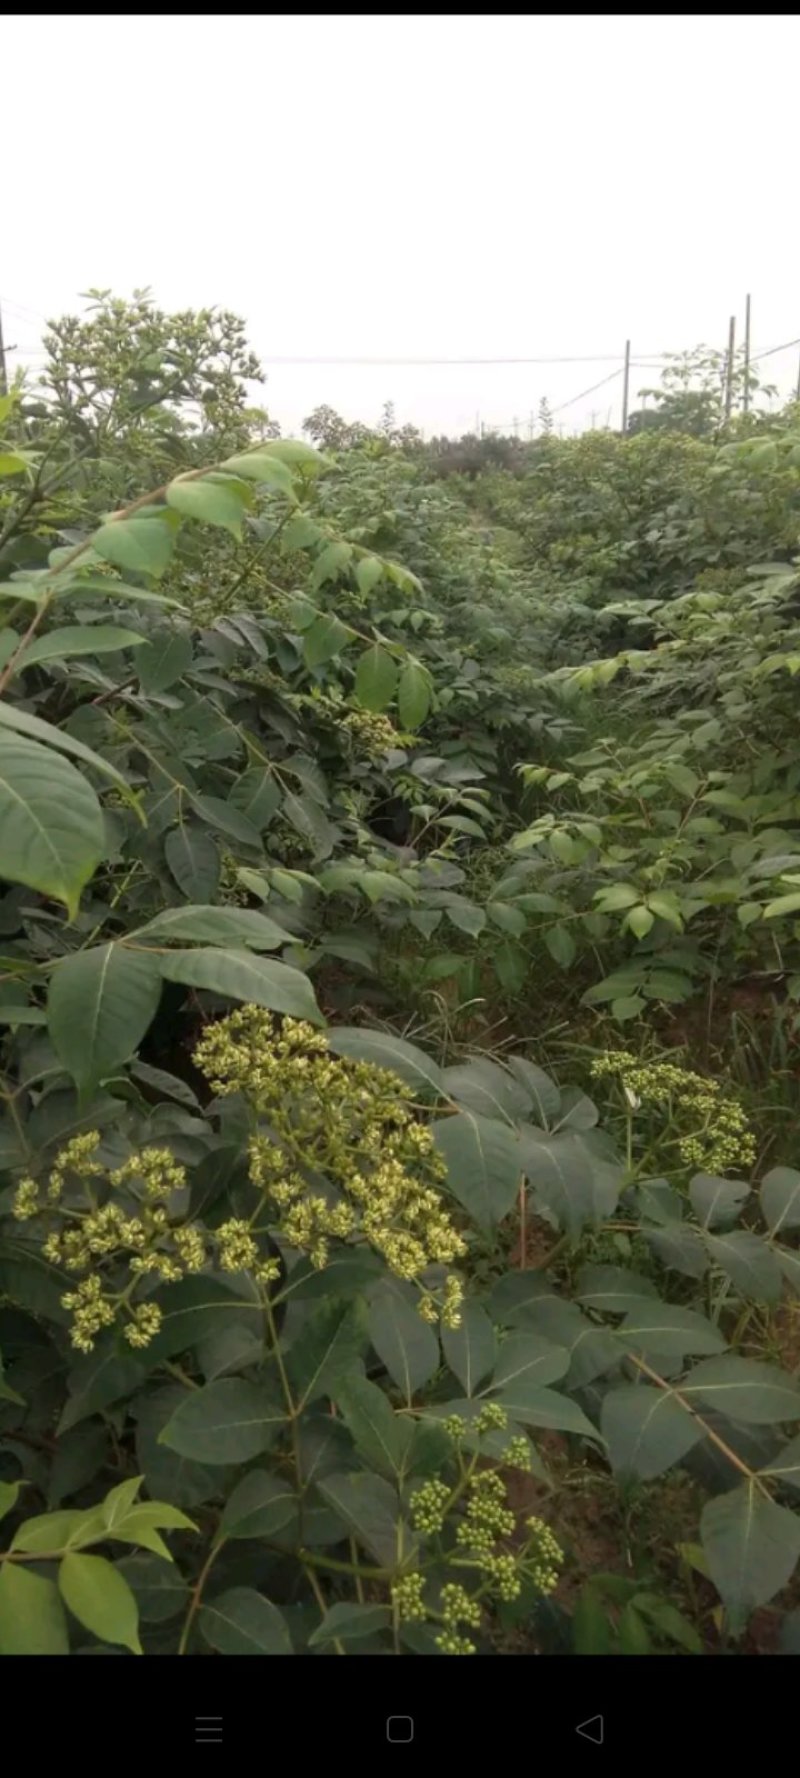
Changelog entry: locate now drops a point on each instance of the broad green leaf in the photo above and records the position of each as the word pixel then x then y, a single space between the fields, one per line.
pixel 100 1004
pixel 212 500
pixel 12 464
pixel 780 1199
pixel 162 662
pixel 786 1466
pixel 193 859
pixel 785 904
pixel 50 1533
pixel 569 1179
pixel 751 1547
pixel 350 1623
pixel 256 795
pixel 487 1087
pixel 32 1617
pixel 53 834
pixel 561 944
pixel 749 1263
pixel 670 1332
pixel 405 1343
pixel 331 562
pixel 9 1490
pixel 380 1435
pixel 102 1377
pixel 413 695
pixel 613 1289
pixel 260 1505
pixel 224 818
pixel 387 1051
pixel 376 678
pixel 470 1348
pixel 528 1360
pixel 34 729
pixel 718 1201
pixel 296 453
pixel 546 1408
pixel 229 1421
pixel 744 1389
pixel 334 1336
pixel 326 638
pixel 142 546
pixel 259 466
pixel 369 570
pixel 159 1589
pixel 483 1165
pixel 74 639
pixel 370 1508
pixel 646 1430
pixel 243 1622
pixel 100 1598
pixel 217 926
pixel 238 975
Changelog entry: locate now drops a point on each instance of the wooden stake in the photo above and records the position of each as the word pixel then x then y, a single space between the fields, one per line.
pixel 746 401
pixel 626 378
pixel 729 368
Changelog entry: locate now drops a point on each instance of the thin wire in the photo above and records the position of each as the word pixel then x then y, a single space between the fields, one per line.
pixel 573 398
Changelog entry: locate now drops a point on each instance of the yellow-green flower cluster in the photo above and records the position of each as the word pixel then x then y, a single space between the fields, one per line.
pixel 487 1518
pixel 373 734
pixel 376 1171
pixel 545 1555
pixel 457 1608
pixel 722 1138
pixel 492 1418
pixel 517 1454
pixel 406 1596
pixel 428 1506
pixel 93 1233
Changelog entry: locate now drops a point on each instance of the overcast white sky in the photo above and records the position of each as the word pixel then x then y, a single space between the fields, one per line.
pixel 412 187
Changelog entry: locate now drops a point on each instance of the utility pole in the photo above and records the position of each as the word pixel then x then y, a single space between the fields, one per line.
pixel 3 372
pixel 746 401
pixel 626 379
pixel 729 368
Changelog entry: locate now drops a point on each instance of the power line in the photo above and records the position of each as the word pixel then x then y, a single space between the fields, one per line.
pixel 573 398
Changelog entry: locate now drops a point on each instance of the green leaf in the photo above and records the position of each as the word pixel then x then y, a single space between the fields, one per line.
pixel 100 1598
pixel 744 1389
pixel 646 1430
pixel 640 921
pixel 333 1337
pixel 405 1343
pixel 786 1466
pixel 780 1199
pixel 326 638
pixel 387 1051
pixel 99 1379
pixel 229 1421
pixel 785 904
pixel 525 1361
pixel 211 499
pixel 243 1622
pixel 370 1508
pixel 717 1201
pixel 613 1289
pixel 548 1409
pixel 193 860
pixel 217 926
pixel 237 975
pixel 32 1619
pixel 101 1003
pixel 751 1546
pixel 369 570
pixel 74 639
pixel 9 1491
pixel 36 730
pixel 413 695
pixel 380 1436
pixel 350 1623
pixel 224 818
pixel 256 795
pixel 749 1263
pixel 53 833
pixel 470 1348
pixel 142 546
pixel 260 1505
pixel 561 945
pixel 670 1332
pixel 259 466
pixel 617 896
pixel 483 1165
pixel 162 662
pixel 296 453
pixel 332 562
pixel 160 1591
pixel 487 1087
pixel 376 678
pixel 575 1185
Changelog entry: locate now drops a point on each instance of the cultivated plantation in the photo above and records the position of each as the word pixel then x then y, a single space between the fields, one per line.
pixel 399 1020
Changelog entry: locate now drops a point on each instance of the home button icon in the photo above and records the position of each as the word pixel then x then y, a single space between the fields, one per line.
pixel 400 1728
